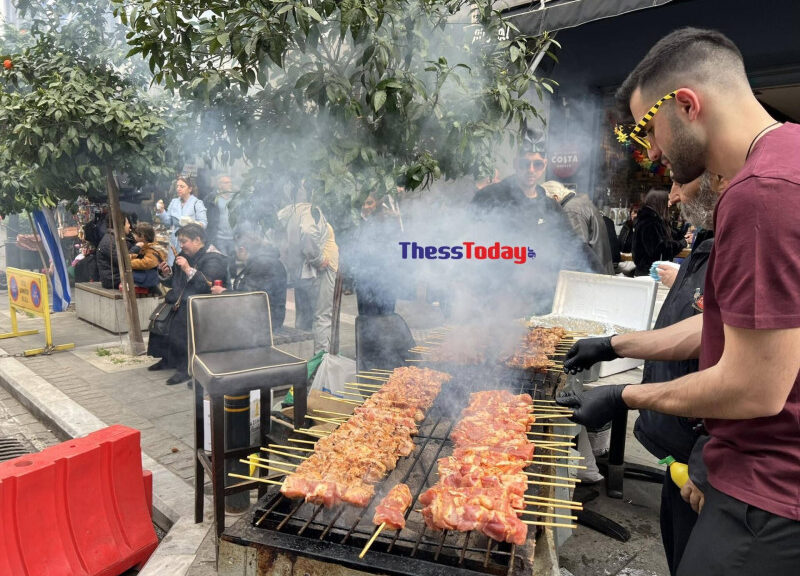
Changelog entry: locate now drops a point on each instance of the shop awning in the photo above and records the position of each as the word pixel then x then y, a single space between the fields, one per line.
pixel 538 17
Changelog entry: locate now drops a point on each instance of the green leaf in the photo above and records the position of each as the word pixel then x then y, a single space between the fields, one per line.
pixel 313 13
pixel 378 100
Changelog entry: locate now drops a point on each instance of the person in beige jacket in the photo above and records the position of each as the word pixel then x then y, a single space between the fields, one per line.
pixel 311 257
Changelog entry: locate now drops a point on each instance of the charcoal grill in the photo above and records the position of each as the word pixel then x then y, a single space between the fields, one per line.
pixel 328 541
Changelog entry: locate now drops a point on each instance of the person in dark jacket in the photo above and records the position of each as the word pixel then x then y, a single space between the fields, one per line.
pixel 262 271
pixel 665 435
pixel 194 271
pixel 626 232
pixel 107 261
pixel 652 237
pixel 586 221
pixel 517 211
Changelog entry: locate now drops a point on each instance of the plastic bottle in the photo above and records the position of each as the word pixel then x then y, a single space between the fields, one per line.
pixel 678 471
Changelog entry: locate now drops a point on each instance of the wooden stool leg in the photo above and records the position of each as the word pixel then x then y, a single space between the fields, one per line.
pixel 300 403
pixel 218 461
pixel 199 441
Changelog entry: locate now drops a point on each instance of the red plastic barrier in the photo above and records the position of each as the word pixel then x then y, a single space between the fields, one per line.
pixel 147 476
pixel 78 508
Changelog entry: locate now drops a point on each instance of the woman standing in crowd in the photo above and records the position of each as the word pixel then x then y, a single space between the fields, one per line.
pixel 652 236
pixel 187 207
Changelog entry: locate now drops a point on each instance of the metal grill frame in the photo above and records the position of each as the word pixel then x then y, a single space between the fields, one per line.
pixel 292 526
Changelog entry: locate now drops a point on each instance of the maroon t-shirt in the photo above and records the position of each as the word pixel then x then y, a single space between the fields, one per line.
pixel 753 281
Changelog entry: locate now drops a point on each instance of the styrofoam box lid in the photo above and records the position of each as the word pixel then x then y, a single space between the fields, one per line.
pixel 614 299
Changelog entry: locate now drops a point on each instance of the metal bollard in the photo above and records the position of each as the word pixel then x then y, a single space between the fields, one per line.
pixel 237 435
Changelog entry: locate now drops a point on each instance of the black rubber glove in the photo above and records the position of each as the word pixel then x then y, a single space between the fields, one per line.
pixel 587 352
pixel 596 406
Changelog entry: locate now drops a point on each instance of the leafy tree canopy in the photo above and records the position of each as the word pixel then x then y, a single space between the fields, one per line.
pixel 70 107
pixel 348 96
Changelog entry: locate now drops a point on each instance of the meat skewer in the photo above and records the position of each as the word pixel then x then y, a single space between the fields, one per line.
pixel 391 510
pixel 361 451
pixel 481 486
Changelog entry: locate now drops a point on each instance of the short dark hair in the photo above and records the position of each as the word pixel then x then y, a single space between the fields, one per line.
pixel 146 231
pixel 683 56
pixel 533 142
pixel 192 231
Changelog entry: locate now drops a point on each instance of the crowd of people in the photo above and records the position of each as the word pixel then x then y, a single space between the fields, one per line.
pixel 201 252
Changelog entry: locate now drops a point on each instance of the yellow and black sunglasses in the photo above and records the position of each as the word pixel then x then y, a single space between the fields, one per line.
pixel 637 134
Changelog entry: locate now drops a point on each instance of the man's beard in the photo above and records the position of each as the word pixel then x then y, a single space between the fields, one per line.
pixel 699 211
pixel 687 162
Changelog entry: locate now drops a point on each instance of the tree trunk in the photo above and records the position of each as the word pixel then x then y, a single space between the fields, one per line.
pixel 125 273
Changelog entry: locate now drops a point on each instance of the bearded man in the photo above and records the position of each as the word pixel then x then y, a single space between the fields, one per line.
pixel 697 112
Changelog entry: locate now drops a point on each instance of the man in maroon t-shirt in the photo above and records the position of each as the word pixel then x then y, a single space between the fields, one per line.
pixel 698 113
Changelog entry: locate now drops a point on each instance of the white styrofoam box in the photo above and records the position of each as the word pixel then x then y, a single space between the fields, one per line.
pixel 626 302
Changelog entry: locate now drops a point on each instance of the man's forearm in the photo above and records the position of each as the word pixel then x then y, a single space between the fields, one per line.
pixel 681 341
pixel 704 394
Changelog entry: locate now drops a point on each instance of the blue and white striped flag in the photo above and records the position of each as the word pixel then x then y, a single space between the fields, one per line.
pixel 60 295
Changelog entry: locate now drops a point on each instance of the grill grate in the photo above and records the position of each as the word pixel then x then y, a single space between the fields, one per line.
pixel 338 535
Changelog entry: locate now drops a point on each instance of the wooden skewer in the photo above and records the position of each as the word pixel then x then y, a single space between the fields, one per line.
pixel 576 466
pixel 326 420
pixel 265 467
pixel 318 433
pixel 551 435
pixel 566 424
pixel 290 447
pixel 560 450
pixel 372 377
pixel 264 480
pixel 301 441
pixel 551 505
pixel 549 456
pixel 552 443
pixel 335 413
pixel 557 500
pixel 353 394
pixel 371 540
pixel 284 454
pixel 379 370
pixel 543 416
pixel 548 514
pixel 555 524
pixel 541 401
pixel 342 400
pixel 254 458
pixel 537 474
pixel 544 483
pixel 362 386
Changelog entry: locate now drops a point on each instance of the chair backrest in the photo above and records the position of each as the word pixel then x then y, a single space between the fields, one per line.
pixel 382 342
pixel 235 321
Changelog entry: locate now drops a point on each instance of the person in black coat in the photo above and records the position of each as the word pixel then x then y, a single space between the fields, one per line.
pixel 107 261
pixel 626 232
pixel 194 271
pixel 662 434
pixel 263 271
pixel 652 237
